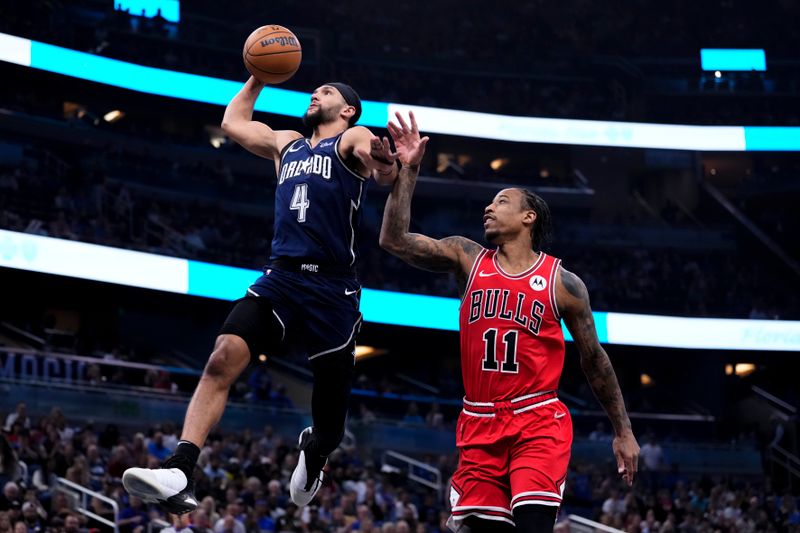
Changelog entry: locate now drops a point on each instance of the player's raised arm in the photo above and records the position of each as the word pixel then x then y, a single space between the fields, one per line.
pixel 374 154
pixel 573 304
pixel 451 254
pixel 254 136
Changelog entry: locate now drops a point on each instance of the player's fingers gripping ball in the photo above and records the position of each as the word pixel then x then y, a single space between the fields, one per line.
pixel 272 54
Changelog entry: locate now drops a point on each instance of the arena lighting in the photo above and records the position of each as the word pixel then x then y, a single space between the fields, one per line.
pixel 367 352
pixel 62 257
pixel 744 369
pixel 730 59
pixel 498 163
pixel 113 116
pixel 433 120
pixel 645 380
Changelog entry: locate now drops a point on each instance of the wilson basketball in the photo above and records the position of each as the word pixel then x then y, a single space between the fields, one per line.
pixel 272 53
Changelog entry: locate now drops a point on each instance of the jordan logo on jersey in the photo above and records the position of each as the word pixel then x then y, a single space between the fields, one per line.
pixel 497 303
pixel 315 164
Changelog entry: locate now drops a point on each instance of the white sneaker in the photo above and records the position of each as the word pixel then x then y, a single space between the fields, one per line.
pixel 167 487
pixel 306 479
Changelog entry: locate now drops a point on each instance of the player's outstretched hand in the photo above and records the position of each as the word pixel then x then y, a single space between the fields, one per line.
pixel 410 147
pixel 380 157
pixel 626 451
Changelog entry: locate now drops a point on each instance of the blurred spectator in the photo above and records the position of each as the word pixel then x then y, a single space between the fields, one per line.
pixel 19 416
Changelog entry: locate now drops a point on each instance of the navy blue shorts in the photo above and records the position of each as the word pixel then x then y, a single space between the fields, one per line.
pixel 317 314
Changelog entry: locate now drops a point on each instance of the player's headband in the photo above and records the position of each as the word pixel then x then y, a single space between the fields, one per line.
pixel 350 96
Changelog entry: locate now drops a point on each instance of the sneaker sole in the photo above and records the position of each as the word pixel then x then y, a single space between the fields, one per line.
pixel 138 484
pixel 301 497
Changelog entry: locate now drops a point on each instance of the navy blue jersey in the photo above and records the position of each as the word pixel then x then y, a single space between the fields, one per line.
pixel 317 203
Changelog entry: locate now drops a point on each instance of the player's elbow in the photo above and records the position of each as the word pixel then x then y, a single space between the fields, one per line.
pixel 388 242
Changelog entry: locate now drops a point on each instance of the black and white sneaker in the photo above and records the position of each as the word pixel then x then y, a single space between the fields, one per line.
pixel 307 476
pixel 167 487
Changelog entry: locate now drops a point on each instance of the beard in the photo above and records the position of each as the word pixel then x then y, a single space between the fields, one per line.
pixel 317 117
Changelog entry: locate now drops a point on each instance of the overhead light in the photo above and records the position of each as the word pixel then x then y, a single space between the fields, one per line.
pixel 113 116
pixel 646 380
pixel 216 141
pixel 262 358
pixel 728 370
pixel 744 369
pixel 717 74
pixel 544 173
pixel 498 163
pixel 365 352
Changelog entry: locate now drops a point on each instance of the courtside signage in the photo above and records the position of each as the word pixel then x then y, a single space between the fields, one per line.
pixel 435 120
pixel 150 271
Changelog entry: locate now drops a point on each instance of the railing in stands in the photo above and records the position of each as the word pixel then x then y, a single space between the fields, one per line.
pixel 413 469
pixel 786 460
pixel 157 525
pixel 83 495
pixel 579 524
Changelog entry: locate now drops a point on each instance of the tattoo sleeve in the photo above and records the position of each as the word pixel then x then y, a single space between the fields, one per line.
pixel 594 360
pixel 418 250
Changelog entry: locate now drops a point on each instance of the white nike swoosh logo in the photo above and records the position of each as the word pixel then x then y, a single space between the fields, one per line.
pixel 485 275
pixel 560 415
pixel 349 293
pixel 297 147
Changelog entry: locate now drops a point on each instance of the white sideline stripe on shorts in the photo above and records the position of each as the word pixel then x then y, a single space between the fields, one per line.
pixel 478 404
pixel 352 334
pixel 537 502
pixel 485 517
pixel 537 493
pixel 482 507
pixel 534 395
pixel 283 327
pixel 534 406
pixel 483 415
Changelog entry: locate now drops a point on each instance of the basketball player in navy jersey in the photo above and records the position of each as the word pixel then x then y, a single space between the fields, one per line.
pixel 514 435
pixel 309 285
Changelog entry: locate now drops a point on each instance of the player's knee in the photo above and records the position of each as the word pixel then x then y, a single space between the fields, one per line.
pixel 535 518
pixel 229 358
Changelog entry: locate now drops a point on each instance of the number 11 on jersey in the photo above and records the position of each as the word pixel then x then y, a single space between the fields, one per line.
pixel 300 201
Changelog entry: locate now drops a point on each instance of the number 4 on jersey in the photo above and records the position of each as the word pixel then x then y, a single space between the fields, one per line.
pixel 300 201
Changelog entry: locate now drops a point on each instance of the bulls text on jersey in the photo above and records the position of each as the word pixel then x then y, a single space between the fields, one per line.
pixel 491 303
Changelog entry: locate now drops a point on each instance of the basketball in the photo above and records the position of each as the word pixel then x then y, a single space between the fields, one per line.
pixel 272 54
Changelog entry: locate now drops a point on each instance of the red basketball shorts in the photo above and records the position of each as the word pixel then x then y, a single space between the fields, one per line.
pixel 511 454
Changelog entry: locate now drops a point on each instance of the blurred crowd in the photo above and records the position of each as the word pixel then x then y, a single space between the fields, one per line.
pixel 241 482
pixel 154 205
pixel 576 60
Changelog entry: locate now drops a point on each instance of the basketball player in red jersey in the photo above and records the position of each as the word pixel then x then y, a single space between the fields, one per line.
pixel 513 434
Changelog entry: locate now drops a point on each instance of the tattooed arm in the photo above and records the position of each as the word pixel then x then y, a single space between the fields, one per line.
pixel 573 304
pixel 451 254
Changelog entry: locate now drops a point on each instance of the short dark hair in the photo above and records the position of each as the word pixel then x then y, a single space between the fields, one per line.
pixel 543 225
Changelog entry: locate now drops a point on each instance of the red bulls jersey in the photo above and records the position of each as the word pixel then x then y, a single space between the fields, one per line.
pixel 511 338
